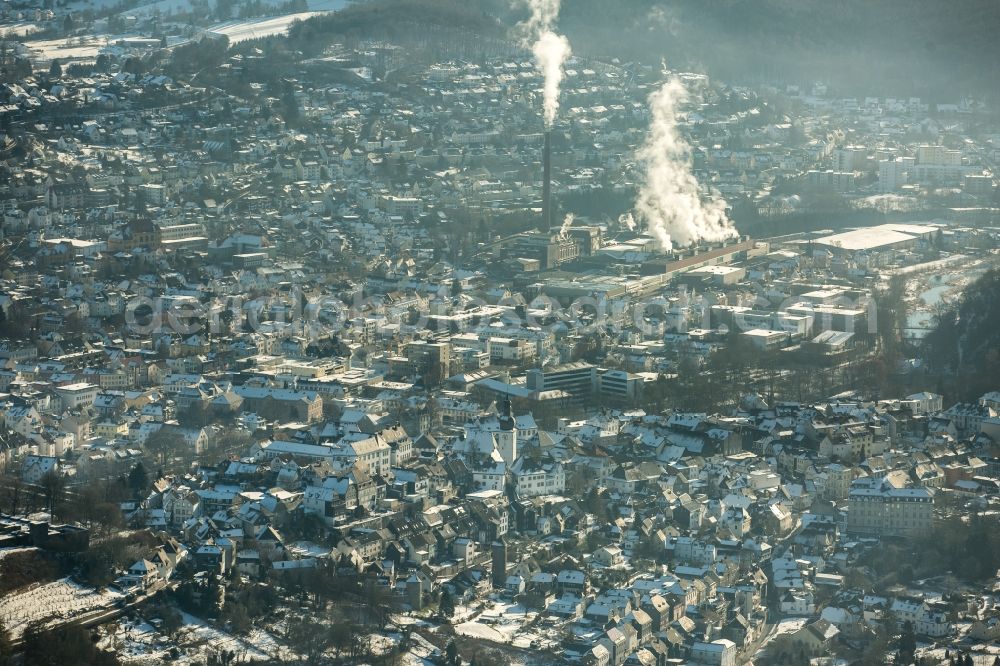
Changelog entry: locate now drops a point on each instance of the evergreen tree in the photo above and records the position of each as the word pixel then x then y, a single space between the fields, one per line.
pixel 69 644
pixel 6 649
pixel 138 479
pixel 447 604
pixel 22 68
pixel 907 643
pixel 451 654
pixel 289 104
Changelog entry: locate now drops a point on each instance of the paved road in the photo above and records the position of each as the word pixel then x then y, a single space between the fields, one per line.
pixel 766 634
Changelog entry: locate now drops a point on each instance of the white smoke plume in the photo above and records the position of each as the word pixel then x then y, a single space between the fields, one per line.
pixel 566 225
pixel 551 52
pixel 626 220
pixel 669 201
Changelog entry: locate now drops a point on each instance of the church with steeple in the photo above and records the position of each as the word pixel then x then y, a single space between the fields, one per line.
pixel 502 448
pixel 497 430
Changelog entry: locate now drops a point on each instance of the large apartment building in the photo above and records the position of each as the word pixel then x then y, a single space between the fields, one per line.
pixel 878 508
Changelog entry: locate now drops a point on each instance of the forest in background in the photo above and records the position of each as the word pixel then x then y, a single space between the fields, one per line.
pixel 933 48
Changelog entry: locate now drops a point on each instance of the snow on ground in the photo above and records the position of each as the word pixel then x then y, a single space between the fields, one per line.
pixel 59 599
pixel 982 655
pixel 74 48
pixel 241 31
pixel 505 622
pixel 258 645
pixel 537 639
pixel 887 202
pixel 168 7
pixel 303 549
pixel 18 29
pixel 4 552
pixel 478 630
pixel 786 626
pixel 935 284
pixel 402 620
pixel 420 651
pixel 383 644
pixel 462 613
pixel 136 641
pixel 789 625
pixel 507 618
pixel 88 47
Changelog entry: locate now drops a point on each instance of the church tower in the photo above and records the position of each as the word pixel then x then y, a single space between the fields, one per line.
pixel 507 435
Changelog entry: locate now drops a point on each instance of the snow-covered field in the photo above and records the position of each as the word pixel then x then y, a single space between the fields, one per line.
pixel 478 630
pixel 166 7
pixel 76 48
pixel 20 29
pixel 241 31
pixel 61 599
pixel 237 30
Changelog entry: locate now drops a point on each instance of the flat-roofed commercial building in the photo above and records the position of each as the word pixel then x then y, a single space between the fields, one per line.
pixel 832 318
pixel 77 396
pixel 880 238
pixel 578 379
pixel 620 386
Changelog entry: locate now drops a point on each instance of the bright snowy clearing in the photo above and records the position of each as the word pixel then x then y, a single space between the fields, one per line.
pixel 74 48
pixel 136 641
pixel 241 31
pixel 39 602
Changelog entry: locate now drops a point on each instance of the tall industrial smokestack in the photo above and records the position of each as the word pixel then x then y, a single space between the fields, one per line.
pixel 547 182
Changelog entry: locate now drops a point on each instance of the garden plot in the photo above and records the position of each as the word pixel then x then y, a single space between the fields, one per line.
pixel 59 600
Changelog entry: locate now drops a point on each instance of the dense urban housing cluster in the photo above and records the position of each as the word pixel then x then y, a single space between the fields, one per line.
pixel 326 341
